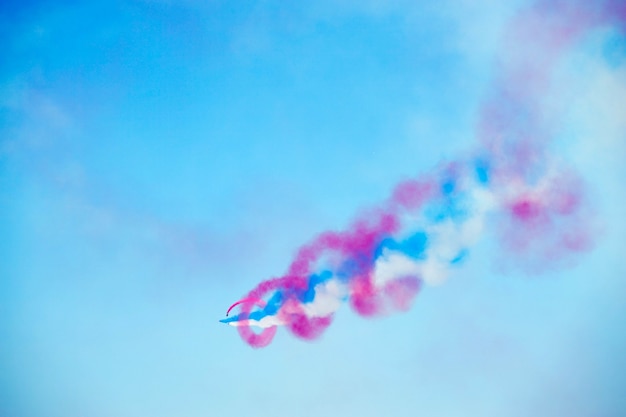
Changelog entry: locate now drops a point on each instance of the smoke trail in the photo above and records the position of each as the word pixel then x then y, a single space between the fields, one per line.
pixel 428 225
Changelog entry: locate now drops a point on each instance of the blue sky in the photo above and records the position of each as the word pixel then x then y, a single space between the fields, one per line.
pixel 159 159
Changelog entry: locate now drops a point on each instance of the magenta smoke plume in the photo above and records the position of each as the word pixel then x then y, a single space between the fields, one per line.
pixel 428 225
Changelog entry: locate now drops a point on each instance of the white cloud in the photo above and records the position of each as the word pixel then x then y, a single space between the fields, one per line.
pixel 329 296
pixel 391 265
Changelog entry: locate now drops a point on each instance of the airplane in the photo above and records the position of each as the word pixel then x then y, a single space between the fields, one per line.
pixel 258 318
pixel 254 319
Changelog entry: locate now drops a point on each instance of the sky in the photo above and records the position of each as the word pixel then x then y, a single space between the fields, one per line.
pixel 159 159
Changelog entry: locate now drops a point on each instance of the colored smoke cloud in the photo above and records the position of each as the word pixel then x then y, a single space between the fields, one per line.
pixel 509 184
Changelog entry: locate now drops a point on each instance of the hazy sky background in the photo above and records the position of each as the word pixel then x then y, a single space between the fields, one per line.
pixel 159 158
